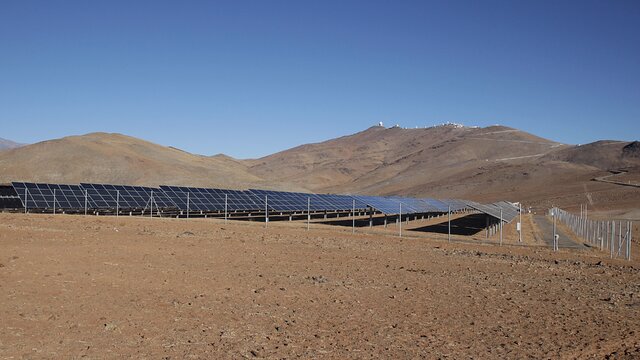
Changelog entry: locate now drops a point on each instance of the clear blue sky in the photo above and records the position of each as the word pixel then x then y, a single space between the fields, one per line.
pixel 249 78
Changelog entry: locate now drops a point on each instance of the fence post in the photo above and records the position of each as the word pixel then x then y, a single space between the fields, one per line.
pixel 630 239
pixel 613 236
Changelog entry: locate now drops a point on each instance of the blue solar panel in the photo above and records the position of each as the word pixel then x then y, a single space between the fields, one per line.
pixel 287 201
pixel 340 202
pixel 49 196
pixel 509 211
pixel 382 204
pixel 206 199
pixel 437 204
pixel 414 205
pixel 455 204
pixel 107 196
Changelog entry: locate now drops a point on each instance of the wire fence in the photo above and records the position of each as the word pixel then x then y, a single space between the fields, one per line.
pixel 613 236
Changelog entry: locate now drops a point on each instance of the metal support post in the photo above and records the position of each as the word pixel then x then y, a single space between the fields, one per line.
pixel 501 227
pixel 226 196
pixel 400 220
pixel 86 200
pixel 353 217
pixel 520 214
pixel 308 213
pixel 188 200
pixel 117 202
pixel 266 211
pixel 449 224
pixel 555 237
pixel 54 201
pixel 486 221
pixel 613 237
pixel 629 242
pixel 619 238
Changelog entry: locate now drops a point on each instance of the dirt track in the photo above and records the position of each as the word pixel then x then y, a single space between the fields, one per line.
pixel 99 287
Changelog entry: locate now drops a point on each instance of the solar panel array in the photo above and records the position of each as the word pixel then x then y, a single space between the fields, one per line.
pixel 106 196
pixel 500 210
pixel 339 202
pixel 295 201
pixel 382 204
pixel 413 205
pixel 128 197
pixel 50 196
pixel 439 205
pixel 455 204
pixel 204 199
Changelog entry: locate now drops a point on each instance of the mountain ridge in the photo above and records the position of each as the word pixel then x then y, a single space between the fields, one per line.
pixel 446 161
pixel 6 144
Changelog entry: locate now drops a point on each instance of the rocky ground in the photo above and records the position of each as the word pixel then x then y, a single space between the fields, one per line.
pixel 105 287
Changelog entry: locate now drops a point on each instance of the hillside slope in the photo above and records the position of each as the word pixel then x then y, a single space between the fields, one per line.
pixel 449 161
pixel 390 161
pixel 484 164
pixel 119 159
pixel 8 144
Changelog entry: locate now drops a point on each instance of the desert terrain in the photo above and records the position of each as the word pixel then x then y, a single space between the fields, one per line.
pixel 448 161
pixel 159 288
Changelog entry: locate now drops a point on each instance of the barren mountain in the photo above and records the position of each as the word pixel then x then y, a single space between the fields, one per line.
pixel 400 161
pixel 119 159
pixel 449 161
pixel 8 144
pixel 483 164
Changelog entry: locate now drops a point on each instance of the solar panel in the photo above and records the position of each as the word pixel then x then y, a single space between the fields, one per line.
pixel 416 205
pixel 437 205
pixel 509 211
pixel 9 199
pixel 385 205
pixel 209 199
pixel 107 196
pixel 42 196
pixel 288 201
pixel 340 202
pixel 455 204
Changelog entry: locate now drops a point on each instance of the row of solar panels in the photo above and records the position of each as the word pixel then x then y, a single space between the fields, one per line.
pixel 104 196
pixel 499 210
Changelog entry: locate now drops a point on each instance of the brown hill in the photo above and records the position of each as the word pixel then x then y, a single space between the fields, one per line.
pixel 604 154
pixel 119 159
pixel 484 164
pixel 450 161
pixel 396 161
pixel 8 144
pixel 385 161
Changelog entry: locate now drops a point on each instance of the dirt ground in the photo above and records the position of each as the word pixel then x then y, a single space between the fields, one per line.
pixel 105 287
